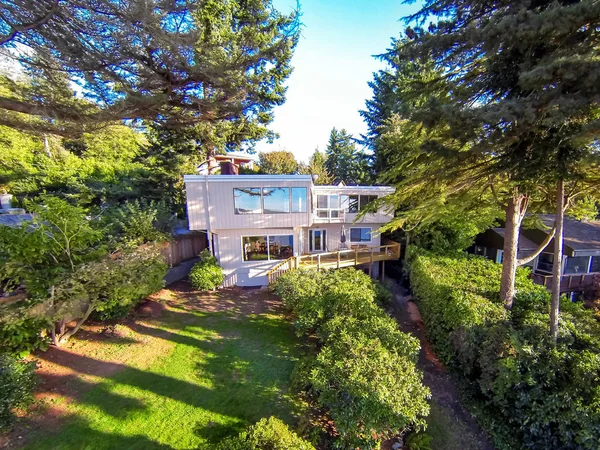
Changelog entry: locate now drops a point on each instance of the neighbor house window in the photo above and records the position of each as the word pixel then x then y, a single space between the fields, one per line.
pixel 299 200
pixel 360 235
pixel 276 200
pixel 545 262
pixel 267 248
pixel 577 264
pixel 595 265
pixel 247 200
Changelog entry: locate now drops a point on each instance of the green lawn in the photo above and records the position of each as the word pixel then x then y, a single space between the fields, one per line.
pixel 223 371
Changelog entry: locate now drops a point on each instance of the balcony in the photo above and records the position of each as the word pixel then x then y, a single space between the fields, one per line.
pixel 570 283
pixel 329 215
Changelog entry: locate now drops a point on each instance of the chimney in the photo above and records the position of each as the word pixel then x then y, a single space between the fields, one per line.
pixel 229 168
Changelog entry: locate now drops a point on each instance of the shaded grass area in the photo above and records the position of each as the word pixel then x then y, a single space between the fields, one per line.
pixel 223 371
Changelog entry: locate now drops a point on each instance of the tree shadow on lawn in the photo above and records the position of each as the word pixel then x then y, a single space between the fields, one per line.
pixel 236 368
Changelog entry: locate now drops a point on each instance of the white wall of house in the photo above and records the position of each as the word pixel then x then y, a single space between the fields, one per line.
pixel 219 197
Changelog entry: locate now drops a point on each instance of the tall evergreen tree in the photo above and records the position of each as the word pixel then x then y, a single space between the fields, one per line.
pixel 520 80
pixel 344 161
pixel 173 64
pixel 316 166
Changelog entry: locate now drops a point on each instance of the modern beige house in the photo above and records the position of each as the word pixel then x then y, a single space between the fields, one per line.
pixel 257 223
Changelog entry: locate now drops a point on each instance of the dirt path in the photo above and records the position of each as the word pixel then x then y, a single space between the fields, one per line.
pixel 451 425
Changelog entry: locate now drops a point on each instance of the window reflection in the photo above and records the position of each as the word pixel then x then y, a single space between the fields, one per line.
pixel 247 200
pixel 577 264
pixel 255 248
pixel 276 200
pixel 281 247
pixel 299 200
pixel 360 235
pixel 264 248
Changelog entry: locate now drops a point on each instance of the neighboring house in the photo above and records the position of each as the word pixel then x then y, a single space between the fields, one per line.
pixel 581 262
pixel 256 222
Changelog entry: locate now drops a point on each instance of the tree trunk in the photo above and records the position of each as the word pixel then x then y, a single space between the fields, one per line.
pixel 557 265
pixel 515 210
pixel 64 337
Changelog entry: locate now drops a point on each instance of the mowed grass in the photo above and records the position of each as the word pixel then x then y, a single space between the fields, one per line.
pixel 224 371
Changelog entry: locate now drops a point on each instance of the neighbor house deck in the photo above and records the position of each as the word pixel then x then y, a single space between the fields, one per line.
pixel 336 260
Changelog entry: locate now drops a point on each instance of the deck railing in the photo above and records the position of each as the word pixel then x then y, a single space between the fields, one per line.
pixel 336 260
pixel 570 282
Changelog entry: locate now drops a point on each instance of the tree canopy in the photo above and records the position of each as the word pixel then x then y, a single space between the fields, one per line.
pixel 279 162
pixel 344 161
pixel 174 64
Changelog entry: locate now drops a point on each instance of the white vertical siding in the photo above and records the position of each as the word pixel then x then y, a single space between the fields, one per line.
pixel 196 205
pixel 248 273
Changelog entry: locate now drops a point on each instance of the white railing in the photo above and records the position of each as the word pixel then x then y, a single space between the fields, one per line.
pixel 329 215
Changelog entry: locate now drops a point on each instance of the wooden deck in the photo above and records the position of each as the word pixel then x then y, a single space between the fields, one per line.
pixel 337 260
pixel 570 283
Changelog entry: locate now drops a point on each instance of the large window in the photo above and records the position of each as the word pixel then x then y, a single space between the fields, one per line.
pixel 276 200
pixel 577 264
pixel 270 200
pixel 299 200
pixel 247 201
pixel 356 203
pixel 267 248
pixel 360 235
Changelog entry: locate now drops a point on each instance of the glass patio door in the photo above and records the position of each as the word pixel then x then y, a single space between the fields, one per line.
pixel 317 240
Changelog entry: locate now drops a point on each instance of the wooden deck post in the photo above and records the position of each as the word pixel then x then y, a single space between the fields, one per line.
pixel 319 261
pixel 356 256
pixel 382 274
pixel 338 255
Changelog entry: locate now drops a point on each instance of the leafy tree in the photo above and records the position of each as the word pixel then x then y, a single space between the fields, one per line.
pixel 344 162
pixel 316 166
pixel 278 162
pixel 175 64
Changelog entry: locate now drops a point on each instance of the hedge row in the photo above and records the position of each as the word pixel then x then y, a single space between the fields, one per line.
pixel 363 369
pixel 534 395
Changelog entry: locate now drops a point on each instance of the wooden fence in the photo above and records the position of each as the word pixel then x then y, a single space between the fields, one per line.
pixel 183 248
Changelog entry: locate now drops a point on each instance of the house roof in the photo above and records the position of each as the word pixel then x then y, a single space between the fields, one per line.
pixel 14 220
pixel 577 234
pixel 524 243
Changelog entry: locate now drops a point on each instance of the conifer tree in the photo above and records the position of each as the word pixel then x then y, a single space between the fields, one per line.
pixel 521 98
pixel 344 161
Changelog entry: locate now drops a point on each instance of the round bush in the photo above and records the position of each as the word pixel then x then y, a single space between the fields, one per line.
pixel 267 434
pixel 205 276
pixel 17 381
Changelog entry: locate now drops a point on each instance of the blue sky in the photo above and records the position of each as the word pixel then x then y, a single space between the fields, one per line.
pixel 332 65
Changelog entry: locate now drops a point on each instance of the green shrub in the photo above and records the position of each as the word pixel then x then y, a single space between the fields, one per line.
pixel 364 371
pixel 17 381
pixel 534 394
pixel 368 389
pixel 22 335
pixel 206 274
pixel 267 434
pixel 383 293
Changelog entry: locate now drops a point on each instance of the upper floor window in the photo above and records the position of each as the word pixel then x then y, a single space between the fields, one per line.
pixel 276 200
pixel 356 203
pixel 270 200
pixel 595 264
pixel 299 200
pixel 577 264
pixel 247 200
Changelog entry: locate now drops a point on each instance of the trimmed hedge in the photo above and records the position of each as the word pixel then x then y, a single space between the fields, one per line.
pixel 206 274
pixel 533 394
pixel 17 381
pixel 267 434
pixel 364 368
